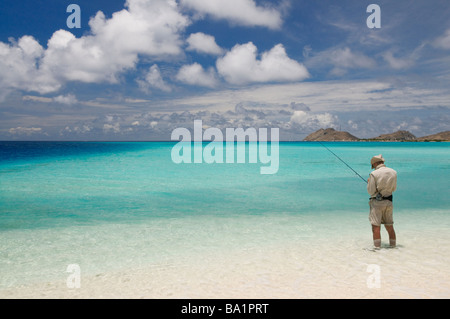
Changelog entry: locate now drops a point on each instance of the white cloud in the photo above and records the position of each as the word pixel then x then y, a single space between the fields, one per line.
pixel 241 65
pixel 443 41
pixel 194 74
pixel 153 124
pixel 346 59
pixel 397 63
pixel 154 79
pixel 65 99
pixel 241 12
pixel 115 128
pixel 25 130
pixel 19 67
pixel 145 28
pixel 313 121
pixel 352 124
pixel 82 129
pixel 149 28
pixel 404 62
pixel 68 99
pixel 203 43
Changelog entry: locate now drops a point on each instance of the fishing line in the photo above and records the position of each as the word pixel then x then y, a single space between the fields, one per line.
pixel 343 161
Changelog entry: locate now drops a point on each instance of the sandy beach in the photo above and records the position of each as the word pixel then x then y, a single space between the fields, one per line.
pixel 320 270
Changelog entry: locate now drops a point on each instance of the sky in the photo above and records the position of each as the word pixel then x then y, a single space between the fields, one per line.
pixel 135 70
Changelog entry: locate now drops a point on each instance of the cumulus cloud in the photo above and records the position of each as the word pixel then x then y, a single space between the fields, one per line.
pixel 203 43
pixel 149 28
pixel 78 129
pixel 241 65
pixel 19 67
pixel 145 28
pixel 194 74
pixel 111 127
pixel 313 121
pixel 154 79
pixel 240 12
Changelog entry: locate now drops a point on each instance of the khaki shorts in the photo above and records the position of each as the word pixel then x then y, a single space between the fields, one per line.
pixel 381 212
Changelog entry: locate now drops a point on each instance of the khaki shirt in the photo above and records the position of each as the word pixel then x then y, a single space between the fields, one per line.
pixel 382 180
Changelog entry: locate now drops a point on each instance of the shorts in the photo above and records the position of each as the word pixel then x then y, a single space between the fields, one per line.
pixel 381 212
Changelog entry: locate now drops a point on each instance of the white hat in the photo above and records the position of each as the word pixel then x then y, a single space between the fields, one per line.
pixel 376 159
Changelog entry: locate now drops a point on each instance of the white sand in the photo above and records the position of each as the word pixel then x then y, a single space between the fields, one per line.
pixel 417 268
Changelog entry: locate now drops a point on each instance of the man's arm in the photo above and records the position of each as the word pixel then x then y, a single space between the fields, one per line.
pixel 371 186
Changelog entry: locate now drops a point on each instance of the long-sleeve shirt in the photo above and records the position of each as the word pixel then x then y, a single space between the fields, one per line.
pixel 382 180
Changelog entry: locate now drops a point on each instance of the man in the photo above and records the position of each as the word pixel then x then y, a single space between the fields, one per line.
pixel 380 186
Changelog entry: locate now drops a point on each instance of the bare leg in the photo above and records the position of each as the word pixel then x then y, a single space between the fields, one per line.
pixel 391 232
pixel 376 236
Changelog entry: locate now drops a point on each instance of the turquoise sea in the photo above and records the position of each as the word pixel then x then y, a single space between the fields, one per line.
pixel 112 206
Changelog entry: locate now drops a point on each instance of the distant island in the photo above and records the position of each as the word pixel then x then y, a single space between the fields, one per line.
pixel 331 134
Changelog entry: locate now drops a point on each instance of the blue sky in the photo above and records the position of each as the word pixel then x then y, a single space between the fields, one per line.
pixel 138 69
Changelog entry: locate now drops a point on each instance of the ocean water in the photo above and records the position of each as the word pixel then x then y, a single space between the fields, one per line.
pixel 110 207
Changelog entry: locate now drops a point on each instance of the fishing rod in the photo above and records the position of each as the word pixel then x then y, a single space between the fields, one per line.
pixel 343 162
